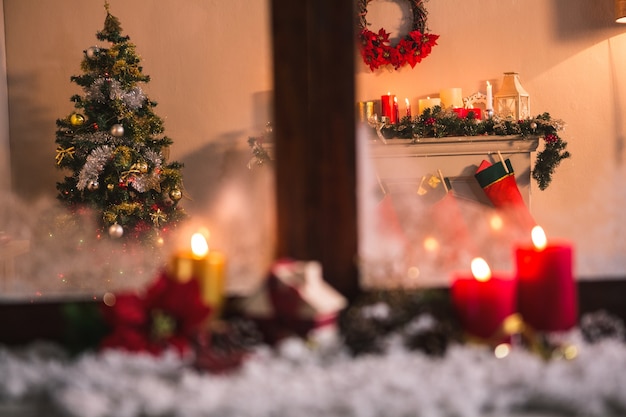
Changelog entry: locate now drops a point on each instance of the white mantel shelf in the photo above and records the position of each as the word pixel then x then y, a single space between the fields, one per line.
pixel 401 163
pixel 454 146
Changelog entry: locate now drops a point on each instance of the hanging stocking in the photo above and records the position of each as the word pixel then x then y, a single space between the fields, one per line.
pixel 498 182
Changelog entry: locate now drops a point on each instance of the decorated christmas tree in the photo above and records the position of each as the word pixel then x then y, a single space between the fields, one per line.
pixel 113 143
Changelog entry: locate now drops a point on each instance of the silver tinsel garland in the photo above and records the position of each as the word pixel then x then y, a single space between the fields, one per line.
pixel 133 98
pixel 93 166
pixel 152 179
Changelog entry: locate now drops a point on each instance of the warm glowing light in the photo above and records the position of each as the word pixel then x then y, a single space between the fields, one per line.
pixel 199 245
pixel 502 350
pixel 406 101
pixel 496 222
pixel 413 272
pixel 539 238
pixel 480 269
pixel 109 299
pixel 431 244
pixel 570 352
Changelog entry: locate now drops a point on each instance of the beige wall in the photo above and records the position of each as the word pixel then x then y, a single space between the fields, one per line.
pixel 210 64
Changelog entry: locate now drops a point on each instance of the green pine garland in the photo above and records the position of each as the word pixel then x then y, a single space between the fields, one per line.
pixel 436 122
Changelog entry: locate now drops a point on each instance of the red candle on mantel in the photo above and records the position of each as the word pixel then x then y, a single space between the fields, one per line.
pixel 547 294
pixel 460 112
pixel 386 106
pixel 478 115
pixel 463 113
pixel 483 300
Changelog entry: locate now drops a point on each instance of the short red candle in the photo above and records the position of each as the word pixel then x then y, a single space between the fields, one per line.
pixel 460 112
pixel 463 113
pixel 478 115
pixel 547 294
pixel 482 306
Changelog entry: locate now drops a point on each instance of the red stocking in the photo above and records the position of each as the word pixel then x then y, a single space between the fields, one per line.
pixel 500 187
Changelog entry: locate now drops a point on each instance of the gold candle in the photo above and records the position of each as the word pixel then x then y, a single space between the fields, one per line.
pixel 207 266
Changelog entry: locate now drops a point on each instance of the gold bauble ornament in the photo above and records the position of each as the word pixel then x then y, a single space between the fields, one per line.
pixel 143 167
pixel 110 187
pixel 77 119
pixel 176 194
pixel 117 130
pixel 116 231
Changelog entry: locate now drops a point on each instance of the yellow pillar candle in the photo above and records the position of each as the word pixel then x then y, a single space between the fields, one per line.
pixel 451 97
pixel 427 103
pixel 208 267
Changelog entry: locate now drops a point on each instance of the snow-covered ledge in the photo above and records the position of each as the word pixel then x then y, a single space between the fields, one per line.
pixel 400 163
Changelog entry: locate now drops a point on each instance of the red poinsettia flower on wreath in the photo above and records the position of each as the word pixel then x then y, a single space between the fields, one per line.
pixel 376 49
pixel 168 315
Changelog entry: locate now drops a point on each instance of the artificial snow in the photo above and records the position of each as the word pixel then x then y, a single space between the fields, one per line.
pixel 309 378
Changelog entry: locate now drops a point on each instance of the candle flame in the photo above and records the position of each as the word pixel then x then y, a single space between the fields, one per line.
pixel 480 269
pixel 406 100
pixel 488 84
pixel 540 241
pixel 199 245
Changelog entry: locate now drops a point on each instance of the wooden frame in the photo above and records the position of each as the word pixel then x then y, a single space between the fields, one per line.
pixel 313 44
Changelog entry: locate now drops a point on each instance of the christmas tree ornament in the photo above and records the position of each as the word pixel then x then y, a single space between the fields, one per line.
pixel 77 119
pixel 117 130
pixel 176 194
pixel 142 167
pixel 116 231
pixel 92 52
pixel 93 185
pixel 110 187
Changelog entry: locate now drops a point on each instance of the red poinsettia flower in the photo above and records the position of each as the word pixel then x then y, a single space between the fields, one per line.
pixel 168 315
pixel 377 51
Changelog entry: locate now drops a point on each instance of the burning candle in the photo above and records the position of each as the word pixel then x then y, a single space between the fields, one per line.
pixel 207 266
pixel 408 107
pixel 547 295
pixel 396 111
pixel 483 300
pixel 427 103
pixel 489 105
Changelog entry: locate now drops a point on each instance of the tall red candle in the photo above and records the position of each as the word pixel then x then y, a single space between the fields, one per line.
pixel 386 105
pixel 547 294
pixel 483 305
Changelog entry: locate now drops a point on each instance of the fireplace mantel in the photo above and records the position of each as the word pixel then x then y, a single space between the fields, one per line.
pixel 401 163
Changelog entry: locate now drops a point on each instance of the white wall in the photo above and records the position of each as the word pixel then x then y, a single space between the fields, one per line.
pixel 210 63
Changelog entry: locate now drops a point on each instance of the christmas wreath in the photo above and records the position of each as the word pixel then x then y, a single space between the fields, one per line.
pixel 376 48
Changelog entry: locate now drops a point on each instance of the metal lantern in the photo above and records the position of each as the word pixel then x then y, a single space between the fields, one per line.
pixel 512 100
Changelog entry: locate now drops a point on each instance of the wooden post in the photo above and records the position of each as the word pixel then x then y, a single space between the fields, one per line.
pixel 313 46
